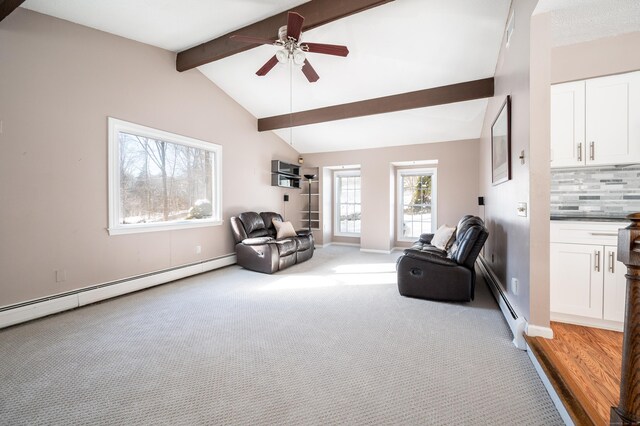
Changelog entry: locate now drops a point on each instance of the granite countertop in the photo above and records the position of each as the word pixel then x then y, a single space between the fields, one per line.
pixel 591 218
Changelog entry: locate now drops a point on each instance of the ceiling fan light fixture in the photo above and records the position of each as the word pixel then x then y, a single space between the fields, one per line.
pixel 282 33
pixel 290 49
pixel 282 56
pixel 299 57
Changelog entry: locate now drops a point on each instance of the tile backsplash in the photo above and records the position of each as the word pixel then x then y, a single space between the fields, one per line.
pixel 607 192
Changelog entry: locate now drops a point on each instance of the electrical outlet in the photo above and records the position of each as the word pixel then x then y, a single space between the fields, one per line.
pixel 198 249
pixel 61 275
pixel 514 286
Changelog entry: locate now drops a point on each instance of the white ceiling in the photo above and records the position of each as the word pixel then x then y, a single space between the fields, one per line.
pixel 170 24
pixel 578 21
pixel 422 125
pixel 402 46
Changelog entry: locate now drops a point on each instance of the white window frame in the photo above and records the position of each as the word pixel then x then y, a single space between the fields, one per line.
pixel 115 227
pixel 336 206
pixel 399 199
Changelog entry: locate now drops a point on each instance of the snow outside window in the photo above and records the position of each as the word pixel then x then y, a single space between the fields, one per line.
pixel 416 203
pixel 347 203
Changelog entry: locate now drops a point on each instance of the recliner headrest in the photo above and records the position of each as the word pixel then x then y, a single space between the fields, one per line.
pixel 251 221
pixel 466 222
pixel 267 218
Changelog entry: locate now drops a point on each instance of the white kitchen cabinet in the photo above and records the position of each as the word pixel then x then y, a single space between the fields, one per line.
pixel 596 122
pixel 587 283
pixel 613 119
pixel 567 124
pixel 615 286
pixel 577 280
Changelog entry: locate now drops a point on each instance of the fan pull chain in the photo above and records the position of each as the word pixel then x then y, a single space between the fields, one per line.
pixel 290 102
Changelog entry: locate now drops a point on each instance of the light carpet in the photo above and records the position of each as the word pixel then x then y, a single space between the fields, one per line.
pixel 329 341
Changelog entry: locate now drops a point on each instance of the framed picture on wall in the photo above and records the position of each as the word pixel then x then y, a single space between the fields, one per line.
pixel 501 144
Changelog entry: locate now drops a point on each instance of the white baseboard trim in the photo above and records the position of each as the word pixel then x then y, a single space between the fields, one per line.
pixel 342 244
pixel 375 251
pixel 54 304
pixel 514 319
pixel 538 331
pixel 564 414
pixel 218 263
pixel 588 322
pixel 37 310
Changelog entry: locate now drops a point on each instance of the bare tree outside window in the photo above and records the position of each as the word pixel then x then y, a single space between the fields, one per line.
pixel 159 179
pixel 162 181
pixel 416 203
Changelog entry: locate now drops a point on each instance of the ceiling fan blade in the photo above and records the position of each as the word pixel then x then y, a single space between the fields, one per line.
pixel 249 39
pixel 268 66
pixel 309 72
pixel 294 25
pixel 327 49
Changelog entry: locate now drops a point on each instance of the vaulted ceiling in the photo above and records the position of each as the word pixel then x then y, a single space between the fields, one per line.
pixel 400 46
pixel 397 47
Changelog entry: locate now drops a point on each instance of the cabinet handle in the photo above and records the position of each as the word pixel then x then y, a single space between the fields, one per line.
pixel 597 265
pixel 592 149
pixel 611 262
pixel 580 151
pixel 603 234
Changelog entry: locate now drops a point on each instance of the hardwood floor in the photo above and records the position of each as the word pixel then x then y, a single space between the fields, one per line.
pixel 585 364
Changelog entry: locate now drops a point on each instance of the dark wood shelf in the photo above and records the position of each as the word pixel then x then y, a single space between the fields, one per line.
pixel 285 175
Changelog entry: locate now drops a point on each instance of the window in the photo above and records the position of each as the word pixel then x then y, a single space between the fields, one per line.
pixel 347 205
pixel 160 180
pixel 416 202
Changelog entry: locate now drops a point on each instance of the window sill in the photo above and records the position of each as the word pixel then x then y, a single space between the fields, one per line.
pixel 138 229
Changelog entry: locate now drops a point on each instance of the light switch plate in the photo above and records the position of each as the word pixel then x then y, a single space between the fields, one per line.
pixel 522 209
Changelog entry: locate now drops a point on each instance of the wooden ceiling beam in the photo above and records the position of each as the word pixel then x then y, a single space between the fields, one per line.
pixel 8 6
pixel 316 13
pixel 459 92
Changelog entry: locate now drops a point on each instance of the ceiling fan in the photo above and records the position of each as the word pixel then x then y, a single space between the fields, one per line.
pixel 292 49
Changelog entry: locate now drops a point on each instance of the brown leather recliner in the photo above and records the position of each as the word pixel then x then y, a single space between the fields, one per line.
pixel 258 249
pixel 426 272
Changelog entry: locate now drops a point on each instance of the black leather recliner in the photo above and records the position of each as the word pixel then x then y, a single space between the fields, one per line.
pixel 427 272
pixel 258 249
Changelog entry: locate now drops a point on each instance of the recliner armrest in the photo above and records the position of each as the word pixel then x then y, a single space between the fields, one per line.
pixel 430 258
pixel 261 257
pixel 257 241
pixel 304 232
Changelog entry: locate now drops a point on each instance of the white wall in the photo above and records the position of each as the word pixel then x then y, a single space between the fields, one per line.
pixel 457 185
pixel 610 55
pixel 60 81
pixel 507 248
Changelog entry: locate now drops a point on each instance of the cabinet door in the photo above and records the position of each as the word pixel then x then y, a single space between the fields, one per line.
pixel 567 124
pixel 611 128
pixel 615 286
pixel 576 279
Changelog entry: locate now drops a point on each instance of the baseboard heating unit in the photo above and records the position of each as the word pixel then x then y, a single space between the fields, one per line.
pixel 26 311
pixel 516 322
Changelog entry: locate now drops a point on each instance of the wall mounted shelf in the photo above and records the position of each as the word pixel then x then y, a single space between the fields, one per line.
pixel 285 175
